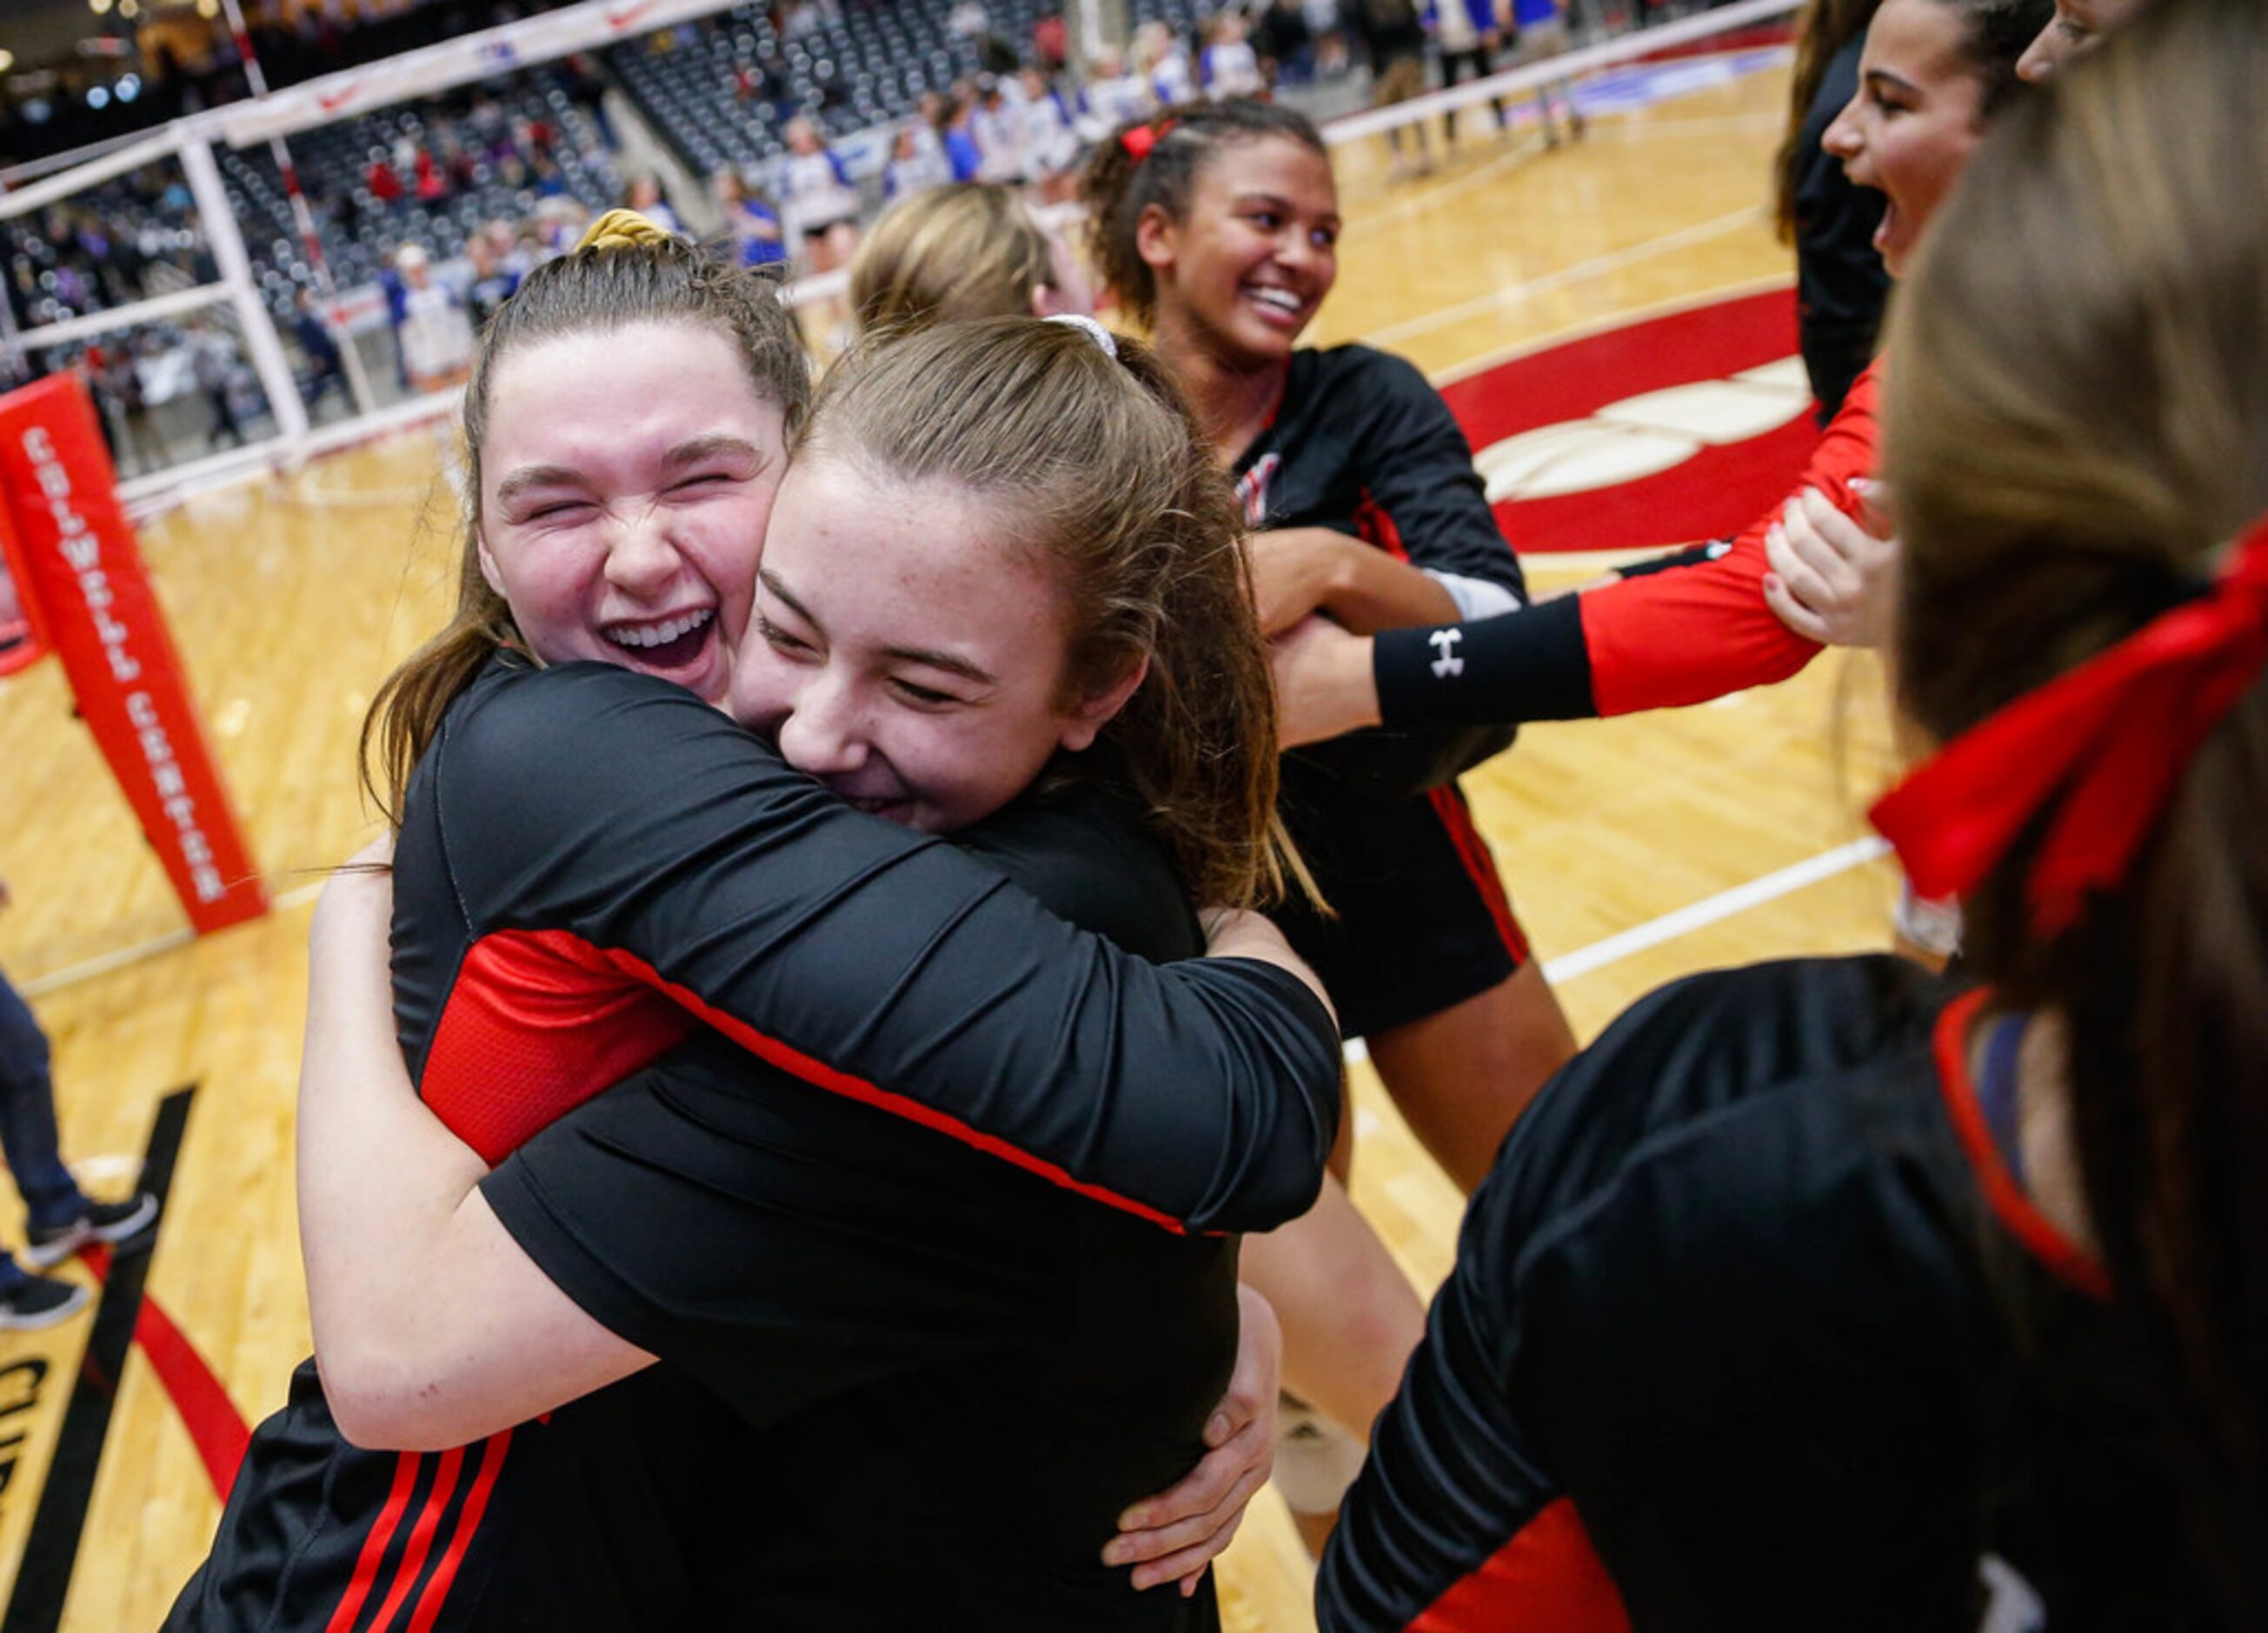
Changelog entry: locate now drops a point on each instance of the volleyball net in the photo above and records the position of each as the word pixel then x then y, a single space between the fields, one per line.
pixel 266 326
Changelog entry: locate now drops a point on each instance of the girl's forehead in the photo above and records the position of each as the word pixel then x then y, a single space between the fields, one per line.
pixel 1275 164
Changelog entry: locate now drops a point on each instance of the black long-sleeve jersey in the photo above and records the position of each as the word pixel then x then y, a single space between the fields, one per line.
pixel 604 837
pixel 1362 445
pixel 1748 1329
pixel 582 839
pixel 962 1374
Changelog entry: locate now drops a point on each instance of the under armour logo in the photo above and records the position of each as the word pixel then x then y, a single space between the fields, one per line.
pixel 1447 664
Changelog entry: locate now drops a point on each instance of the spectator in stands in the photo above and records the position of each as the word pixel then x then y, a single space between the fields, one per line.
pixel 384 182
pixel 1395 41
pixel 968 20
pixel 326 371
pixel 1113 95
pixel 1228 65
pixel 644 196
pixel 1050 41
pixel 1466 31
pixel 758 237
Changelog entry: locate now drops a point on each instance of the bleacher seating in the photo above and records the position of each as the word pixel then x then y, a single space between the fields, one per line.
pixel 868 65
pixel 360 232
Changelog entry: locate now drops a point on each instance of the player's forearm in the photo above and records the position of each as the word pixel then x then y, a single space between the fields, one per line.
pixel 1534 664
pixel 1370 591
pixel 381 1180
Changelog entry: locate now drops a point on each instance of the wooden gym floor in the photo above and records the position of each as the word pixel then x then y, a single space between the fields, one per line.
pixel 1713 836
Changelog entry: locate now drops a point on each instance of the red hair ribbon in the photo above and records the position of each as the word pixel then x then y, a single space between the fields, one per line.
pixel 1139 141
pixel 2106 742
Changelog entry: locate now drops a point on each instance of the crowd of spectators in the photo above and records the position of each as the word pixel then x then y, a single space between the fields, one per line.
pixel 441 206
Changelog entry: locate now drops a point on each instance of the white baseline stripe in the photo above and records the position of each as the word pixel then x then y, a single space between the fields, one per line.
pixel 1710 910
pixel 72 974
pixel 1514 294
pixel 1700 915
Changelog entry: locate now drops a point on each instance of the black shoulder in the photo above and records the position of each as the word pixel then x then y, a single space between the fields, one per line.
pixel 1697 1056
pixel 527 718
pixel 1085 855
pixel 1372 378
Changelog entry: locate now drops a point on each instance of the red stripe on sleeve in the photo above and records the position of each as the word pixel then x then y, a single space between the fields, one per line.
pixel 421 1537
pixel 1547 1579
pixel 1374 525
pixel 373 1545
pixel 537 1023
pixel 790 1059
pixel 476 1502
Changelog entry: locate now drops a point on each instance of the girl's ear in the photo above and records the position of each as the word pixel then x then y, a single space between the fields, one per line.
pixel 1087 720
pixel 489 568
pixel 1156 239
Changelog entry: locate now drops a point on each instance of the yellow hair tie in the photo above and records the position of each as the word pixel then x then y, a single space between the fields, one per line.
pixel 620 229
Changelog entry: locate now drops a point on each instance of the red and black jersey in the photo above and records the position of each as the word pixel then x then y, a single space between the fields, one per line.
pixel 1656 641
pixel 587 855
pixel 1362 445
pixel 608 855
pixel 1747 1329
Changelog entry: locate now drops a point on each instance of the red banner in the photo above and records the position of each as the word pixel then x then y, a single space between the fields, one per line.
pixel 20 644
pixel 76 562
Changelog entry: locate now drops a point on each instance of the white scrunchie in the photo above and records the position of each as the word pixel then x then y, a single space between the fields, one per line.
pixel 1093 330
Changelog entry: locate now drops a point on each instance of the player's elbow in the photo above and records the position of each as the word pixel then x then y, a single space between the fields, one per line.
pixel 384 1399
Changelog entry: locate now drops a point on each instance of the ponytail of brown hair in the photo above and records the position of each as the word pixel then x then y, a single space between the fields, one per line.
pixel 2078 425
pixel 625 272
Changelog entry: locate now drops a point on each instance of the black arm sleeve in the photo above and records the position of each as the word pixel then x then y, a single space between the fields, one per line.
pixel 878 963
pixel 1529 665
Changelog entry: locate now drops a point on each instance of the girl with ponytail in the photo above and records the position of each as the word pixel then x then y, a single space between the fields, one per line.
pixel 1831 1294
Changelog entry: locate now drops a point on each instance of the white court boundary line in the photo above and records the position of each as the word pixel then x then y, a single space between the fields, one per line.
pixel 1714 909
pixel 1516 294
pixel 1698 915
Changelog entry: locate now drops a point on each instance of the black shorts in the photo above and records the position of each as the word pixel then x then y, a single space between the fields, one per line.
pixel 1424 922
pixel 624 1509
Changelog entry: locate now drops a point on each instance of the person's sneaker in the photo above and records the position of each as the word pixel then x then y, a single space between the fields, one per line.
pixel 37 1302
pixel 98 1222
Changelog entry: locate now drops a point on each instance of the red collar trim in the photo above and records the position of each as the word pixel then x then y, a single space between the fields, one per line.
pixel 2015 1210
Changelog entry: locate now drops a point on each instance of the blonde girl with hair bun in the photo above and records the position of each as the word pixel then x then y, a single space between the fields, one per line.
pixel 966 249
pixel 581 841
